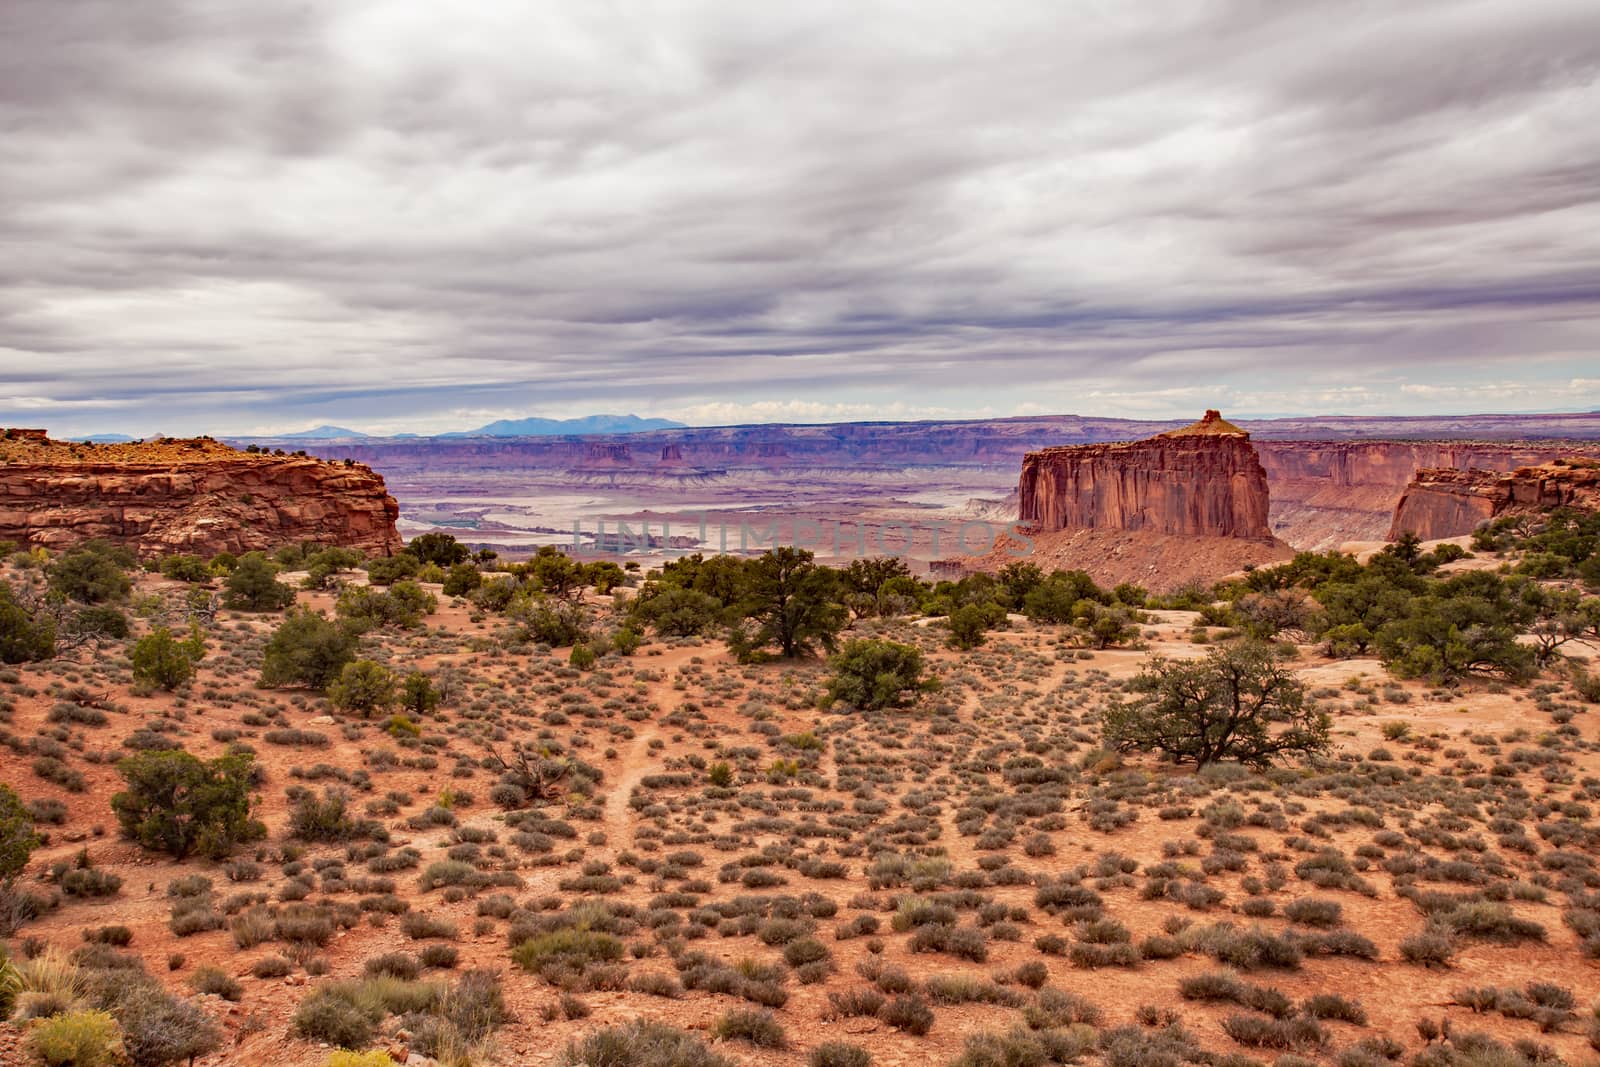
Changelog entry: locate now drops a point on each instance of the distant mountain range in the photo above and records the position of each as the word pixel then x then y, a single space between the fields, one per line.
pixel 322 433
pixel 530 427
pixel 560 427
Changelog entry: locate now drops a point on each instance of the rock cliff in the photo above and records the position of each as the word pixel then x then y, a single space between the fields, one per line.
pixel 187 495
pixel 1449 502
pixel 1204 480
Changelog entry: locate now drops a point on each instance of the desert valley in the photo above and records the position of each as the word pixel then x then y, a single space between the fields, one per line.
pixel 840 534
pixel 1157 789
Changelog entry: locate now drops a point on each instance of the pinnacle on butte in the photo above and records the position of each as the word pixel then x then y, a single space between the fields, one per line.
pixel 1211 422
pixel 1202 481
pixel 195 495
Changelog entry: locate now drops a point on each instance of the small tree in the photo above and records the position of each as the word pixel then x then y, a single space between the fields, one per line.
pixel 1239 702
pixel 17 839
pixel 307 649
pixel 970 622
pixel 93 574
pixel 418 695
pixel 441 549
pixel 791 600
pixel 162 661
pixel 254 585
pixel 24 637
pixel 462 579
pixel 177 803
pixel 872 674
pixel 363 687
pixel 185 568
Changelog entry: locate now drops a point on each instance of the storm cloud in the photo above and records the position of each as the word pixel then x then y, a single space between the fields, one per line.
pixel 396 214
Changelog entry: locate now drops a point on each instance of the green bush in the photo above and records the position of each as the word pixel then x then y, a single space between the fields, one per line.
pixel 74 1039
pixel 307 649
pixel 254 585
pixel 363 687
pixel 17 837
pixel 871 674
pixel 93 573
pixel 161 661
pixel 23 637
pixel 180 804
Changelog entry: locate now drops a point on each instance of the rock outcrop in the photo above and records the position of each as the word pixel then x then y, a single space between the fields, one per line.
pixel 187 496
pixel 1449 502
pixel 1203 480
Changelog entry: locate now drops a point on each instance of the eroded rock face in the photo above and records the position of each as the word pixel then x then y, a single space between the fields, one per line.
pixel 1204 480
pixel 187 496
pixel 1449 502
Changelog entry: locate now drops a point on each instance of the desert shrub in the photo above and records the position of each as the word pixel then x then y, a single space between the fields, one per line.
pixel 270 967
pixel 177 803
pixel 839 1054
pixel 373 1058
pixel 640 1044
pixel 1259 1031
pixel 89 882
pixel 561 956
pixel 75 1039
pixel 213 980
pixel 439 956
pixel 417 926
pixel 1312 912
pixel 335 1016
pixel 1430 947
pixel 393 965
pixel 1334 1006
pixel 760 1028
pixel 656 985
pixel 908 1012
pixel 1053 1008
pixel 159 1028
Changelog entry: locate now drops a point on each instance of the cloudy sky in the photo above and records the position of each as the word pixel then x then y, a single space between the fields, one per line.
pixel 231 216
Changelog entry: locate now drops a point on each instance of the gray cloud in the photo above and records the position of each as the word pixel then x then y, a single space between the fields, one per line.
pixel 218 215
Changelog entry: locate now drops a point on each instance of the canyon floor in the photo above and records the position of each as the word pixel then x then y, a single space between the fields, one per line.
pixel 992 791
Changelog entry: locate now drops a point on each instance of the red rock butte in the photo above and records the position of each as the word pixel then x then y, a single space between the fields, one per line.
pixel 1204 480
pixel 186 495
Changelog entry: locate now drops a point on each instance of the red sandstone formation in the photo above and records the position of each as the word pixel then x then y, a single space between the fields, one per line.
pixel 1201 481
pixel 186 495
pixel 1450 502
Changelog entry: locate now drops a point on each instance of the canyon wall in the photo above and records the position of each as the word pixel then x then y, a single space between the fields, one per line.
pixel 1449 502
pixel 1332 480
pixel 1201 481
pixel 1325 493
pixel 187 496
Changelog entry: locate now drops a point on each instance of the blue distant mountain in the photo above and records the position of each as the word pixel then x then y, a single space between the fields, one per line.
pixel 108 439
pixel 322 433
pixel 534 427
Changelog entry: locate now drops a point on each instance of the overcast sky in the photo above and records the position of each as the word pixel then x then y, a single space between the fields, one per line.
pixel 245 217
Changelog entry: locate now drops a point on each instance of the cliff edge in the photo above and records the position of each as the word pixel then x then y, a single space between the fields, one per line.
pixel 1449 502
pixel 194 495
